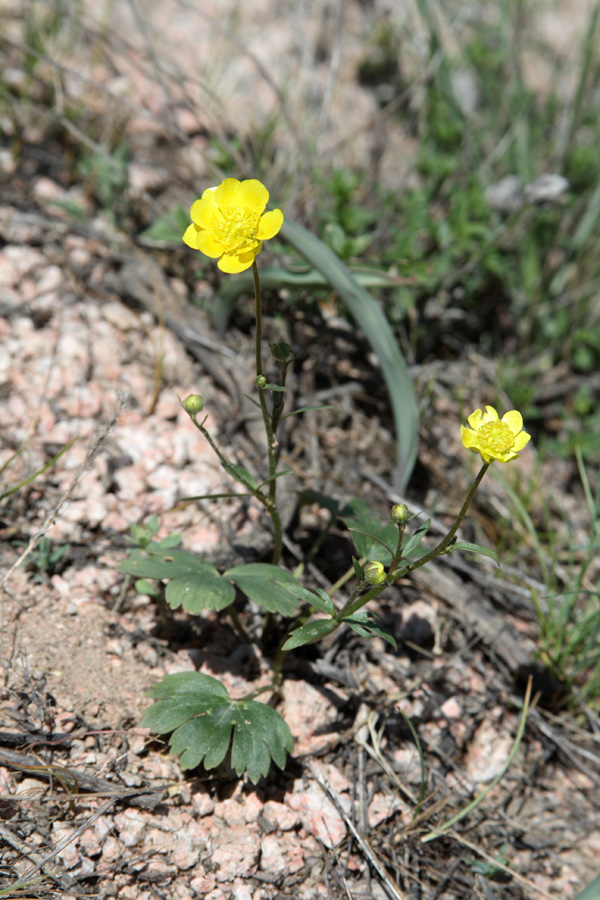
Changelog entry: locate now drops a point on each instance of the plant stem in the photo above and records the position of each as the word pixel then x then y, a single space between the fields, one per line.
pixel 441 547
pixel 354 604
pixel 238 626
pixel 258 301
pixel 271 503
pixel 348 574
pixel 278 665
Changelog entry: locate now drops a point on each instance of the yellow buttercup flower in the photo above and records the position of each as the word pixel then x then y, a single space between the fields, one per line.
pixel 495 439
pixel 229 223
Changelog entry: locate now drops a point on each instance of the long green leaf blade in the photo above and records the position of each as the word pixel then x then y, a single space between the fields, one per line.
pixel 379 334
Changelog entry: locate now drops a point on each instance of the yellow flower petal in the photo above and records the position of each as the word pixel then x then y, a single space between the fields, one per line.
pixel 494 439
pixel 490 414
pixel 514 420
pixel 226 195
pixel 270 224
pixel 253 195
pixel 229 223
pixel 469 438
pixel 247 257
pixel 191 237
pixel 210 195
pixel 521 440
pixel 234 263
pixel 206 243
pixel 475 420
pixel 203 213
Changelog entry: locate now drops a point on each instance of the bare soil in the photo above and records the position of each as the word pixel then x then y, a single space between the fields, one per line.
pixel 100 335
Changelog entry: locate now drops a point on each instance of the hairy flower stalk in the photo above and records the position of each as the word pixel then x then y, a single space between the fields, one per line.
pixel 229 223
pixel 495 440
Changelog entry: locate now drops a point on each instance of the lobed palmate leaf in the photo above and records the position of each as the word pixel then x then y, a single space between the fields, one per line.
pixel 195 584
pixel 206 723
pixel 196 592
pixel 159 562
pixel 262 583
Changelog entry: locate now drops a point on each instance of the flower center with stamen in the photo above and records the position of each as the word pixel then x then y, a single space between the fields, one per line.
pixel 496 437
pixel 237 229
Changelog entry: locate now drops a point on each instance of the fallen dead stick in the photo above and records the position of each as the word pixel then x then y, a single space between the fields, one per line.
pixel 75 780
pixel 21 739
pixel 386 881
pixel 43 862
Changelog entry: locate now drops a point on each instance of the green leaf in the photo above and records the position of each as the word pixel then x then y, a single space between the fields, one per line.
pixel 589 221
pixel 204 738
pixel 260 735
pixel 155 562
pixel 41 471
pixel 328 503
pixel 227 494
pixel 366 624
pixel 379 334
pixel 252 400
pixel 476 548
pixel 148 588
pixel 195 683
pixel 274 387
pixel 415 539
pixel 241 475
pixel 263 584
pixel 206 723
pixel 315 597
pixel 181 696
pixel 302 409
pixel 168 228
pixel 371 536
pixel 273 477
pixel 274 278
pixel 374 540
pixel 357 568
pixel 591 892
pixel 310 633
pixel 196 592
pixel 169 542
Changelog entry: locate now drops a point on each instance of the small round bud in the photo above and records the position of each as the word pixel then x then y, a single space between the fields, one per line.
pixel 193 404
pixel 281 351
pixel 399 514
pixel 374 573
pixel 260 381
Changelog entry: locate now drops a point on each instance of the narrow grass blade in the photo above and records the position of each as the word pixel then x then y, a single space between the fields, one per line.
pixel 274 278
pixel 589 49
pixel 378 332
pixel 41 471
pixel 591 892
pixel 588 222
pixel 438 832
pixel 423 788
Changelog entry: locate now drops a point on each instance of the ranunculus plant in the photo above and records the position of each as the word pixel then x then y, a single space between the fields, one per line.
pixel 207 725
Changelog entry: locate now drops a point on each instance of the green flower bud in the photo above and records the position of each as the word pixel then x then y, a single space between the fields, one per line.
pixel 374 573
pixel 281 351
pixel 193 404
pixel 400 514
pixel 260 381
